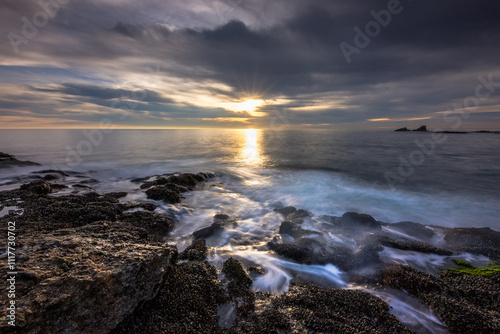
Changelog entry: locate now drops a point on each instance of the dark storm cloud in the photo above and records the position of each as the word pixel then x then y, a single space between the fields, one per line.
pixel 428 57
pixel 103 93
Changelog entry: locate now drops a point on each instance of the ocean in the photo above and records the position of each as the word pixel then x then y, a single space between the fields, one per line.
pixel 389 175
pixel 447 180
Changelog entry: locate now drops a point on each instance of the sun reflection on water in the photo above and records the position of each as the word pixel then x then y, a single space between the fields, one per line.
pixel 251 153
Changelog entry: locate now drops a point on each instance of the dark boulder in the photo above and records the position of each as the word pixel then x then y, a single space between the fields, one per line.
pixel 352 221
pixel 220 222
pixel 163 193
pixel 37 187
pixel 286 210
pixel 294 230
pixel 465 303
pixel 402 129
pixel 197 251
pixel 309 308
pixel 413 229
pixel 484 241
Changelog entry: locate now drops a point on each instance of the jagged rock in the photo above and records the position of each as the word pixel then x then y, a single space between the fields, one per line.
pixel 197 251
pixel 352 221
pixel 186 303
pixel 163 193
pixel 308 308
pixel 465 303
pixel 84 282
pixel 52 171
pixel 37 187
pixel 7 160
pixel 116 195
pixel 422 128
pixel 221 221
pixel 413 229
pixel 294 230
pixel 483 241
pixel 286 210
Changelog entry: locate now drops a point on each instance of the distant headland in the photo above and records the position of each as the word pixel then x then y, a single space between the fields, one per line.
pixel 423 128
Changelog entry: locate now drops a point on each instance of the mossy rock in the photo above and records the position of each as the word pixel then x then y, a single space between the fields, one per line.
pixel 465 267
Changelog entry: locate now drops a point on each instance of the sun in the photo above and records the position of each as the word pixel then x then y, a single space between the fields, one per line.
pixel 249 106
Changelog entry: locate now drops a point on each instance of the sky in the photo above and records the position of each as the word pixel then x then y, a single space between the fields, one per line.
pixel 359 64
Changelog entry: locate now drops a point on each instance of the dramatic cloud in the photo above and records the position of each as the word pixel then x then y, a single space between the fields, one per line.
pixel 196 63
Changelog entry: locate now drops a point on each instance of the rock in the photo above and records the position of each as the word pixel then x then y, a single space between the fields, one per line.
pixel 238 287
pixel 7 160
pixel 422 128
pixel 294 230
pixel 51 177
pixel 484 241
pixel 221 221
pixel 197 251
pixel 286 211
pixel 116 195
pixel 186 303
pixel 163 193
pixel 402 129
pixel 233 270
pixel 413 229
pixel 308 308
pixel 52 171
pixel 406 244
pixel 186 180
pixel 465 303
pixel 73 288
pixel 37 187
pixel 352 221
pixel 310 251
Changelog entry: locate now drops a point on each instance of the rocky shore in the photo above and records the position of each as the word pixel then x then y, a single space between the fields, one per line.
pixel 87 262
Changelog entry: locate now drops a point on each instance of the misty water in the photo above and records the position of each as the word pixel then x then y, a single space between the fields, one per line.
pixel 392 176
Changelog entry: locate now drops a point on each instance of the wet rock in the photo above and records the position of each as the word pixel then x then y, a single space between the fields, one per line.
pixel 186 303
pixel 233 270
pixel 7 160
pixel 406 244
pixel 286 211
pixel 413 229
pixel 465 303
pixel 52 171
pixel 186 180
pixel 221 221
pixel 255 271
pixel 57 186
pixel 484 241
pixel 294 230
pixel 197 251
pixel 37 187
pixel 51 177
pixel 116 195
pixel 148 206
pixel 238 287
pixel 163 193
pixel 308 308
pixel 155 225
pixel 352 221
pixel 310 251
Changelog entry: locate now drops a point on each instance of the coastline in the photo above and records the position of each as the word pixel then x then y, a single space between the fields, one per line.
pixel 87 262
